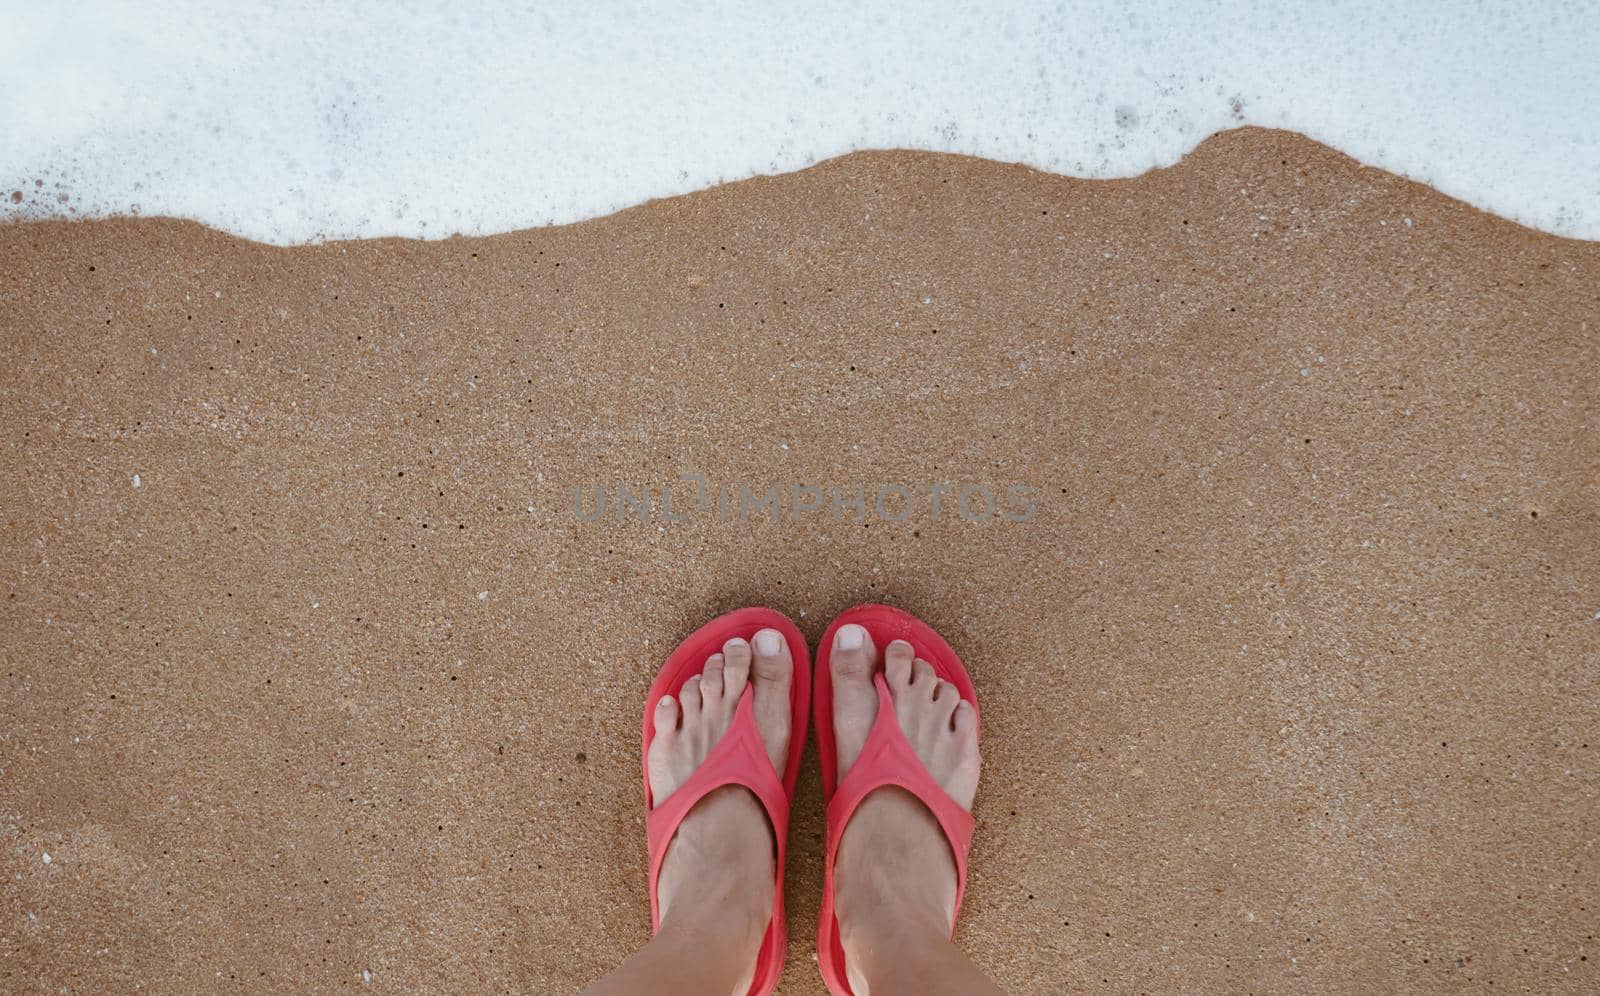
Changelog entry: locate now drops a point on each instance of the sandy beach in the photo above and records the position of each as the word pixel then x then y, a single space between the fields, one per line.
pixel 314 679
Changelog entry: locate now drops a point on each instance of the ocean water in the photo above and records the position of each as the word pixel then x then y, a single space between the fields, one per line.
pixel 293 122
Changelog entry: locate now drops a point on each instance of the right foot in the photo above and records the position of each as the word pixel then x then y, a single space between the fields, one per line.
pixel 895 871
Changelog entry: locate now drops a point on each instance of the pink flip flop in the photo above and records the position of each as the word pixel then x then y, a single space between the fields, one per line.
pixel 887 759
pixel 739 758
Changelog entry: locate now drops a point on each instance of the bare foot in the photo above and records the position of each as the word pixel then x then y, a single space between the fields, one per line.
pixel 717 877
pixel 894 871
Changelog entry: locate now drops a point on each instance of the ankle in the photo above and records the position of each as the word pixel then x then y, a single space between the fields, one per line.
pixel 882 942
pixel 730 905
pixel 894 869
pixel 719 868
pixel 708 950
pixel 888 902
pixel 882 906
pixel 718 918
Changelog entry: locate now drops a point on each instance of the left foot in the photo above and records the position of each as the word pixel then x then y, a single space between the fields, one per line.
pixel 716 880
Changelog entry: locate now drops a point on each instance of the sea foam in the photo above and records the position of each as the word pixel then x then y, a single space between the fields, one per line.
pixel 297 122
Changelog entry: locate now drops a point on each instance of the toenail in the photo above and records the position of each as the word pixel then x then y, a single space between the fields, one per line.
pixel 850 637
pixel 767 643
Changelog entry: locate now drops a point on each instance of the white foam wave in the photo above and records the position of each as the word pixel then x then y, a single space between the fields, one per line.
pixel 300 121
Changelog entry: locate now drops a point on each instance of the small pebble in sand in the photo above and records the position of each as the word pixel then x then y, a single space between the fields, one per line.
pixel 482 596
pixel 47 857
pixel 136 481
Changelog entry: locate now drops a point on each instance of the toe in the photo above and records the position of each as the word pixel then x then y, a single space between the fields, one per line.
pixel 773 671
pixel 961 779
pixel 965 721
pixel 711 683
pixel 945 700
pixel 689 700
pixel 773 662
pixel 923 678
pixel 735 670
pixel 665 718
pixel 851 661
pixel 897 665
pixel 663 747
pixel 853 656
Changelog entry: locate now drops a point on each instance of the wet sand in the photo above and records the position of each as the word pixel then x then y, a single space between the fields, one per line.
pixel 314 680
